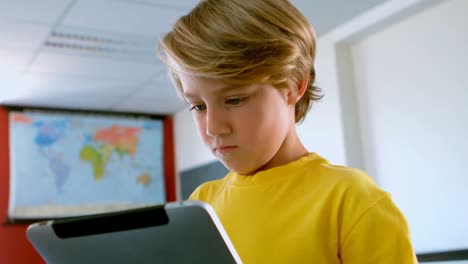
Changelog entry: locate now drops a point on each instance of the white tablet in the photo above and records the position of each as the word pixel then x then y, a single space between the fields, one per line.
pixel 177 232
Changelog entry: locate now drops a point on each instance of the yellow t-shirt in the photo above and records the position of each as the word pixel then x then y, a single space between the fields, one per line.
pixel 309 211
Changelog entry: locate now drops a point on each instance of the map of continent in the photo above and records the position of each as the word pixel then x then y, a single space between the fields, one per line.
pixel 115 139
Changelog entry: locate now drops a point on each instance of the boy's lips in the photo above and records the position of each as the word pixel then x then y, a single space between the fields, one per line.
pixel 224 149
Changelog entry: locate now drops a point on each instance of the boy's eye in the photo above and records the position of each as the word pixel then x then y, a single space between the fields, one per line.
pixel 234 101
pixel 198 107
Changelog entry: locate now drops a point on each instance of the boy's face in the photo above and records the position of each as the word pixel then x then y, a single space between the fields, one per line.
pixel 245 127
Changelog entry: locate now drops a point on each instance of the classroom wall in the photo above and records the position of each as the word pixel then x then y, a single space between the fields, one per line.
pixel 412 91
pixel 14 247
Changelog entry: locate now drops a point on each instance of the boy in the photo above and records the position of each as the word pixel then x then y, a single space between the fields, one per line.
pixel 246 68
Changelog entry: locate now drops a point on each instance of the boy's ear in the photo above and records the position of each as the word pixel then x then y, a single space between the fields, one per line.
pixel 302 87
pixel 295 95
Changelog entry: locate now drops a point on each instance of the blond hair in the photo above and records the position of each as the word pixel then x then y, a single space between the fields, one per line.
pixel 244 42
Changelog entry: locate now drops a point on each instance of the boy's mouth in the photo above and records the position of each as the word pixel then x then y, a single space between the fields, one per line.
pixel 224 149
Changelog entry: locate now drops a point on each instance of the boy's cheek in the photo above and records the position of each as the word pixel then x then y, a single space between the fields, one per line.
pixel 201 127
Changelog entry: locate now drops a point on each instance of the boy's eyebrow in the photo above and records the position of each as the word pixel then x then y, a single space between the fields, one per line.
pixel 189 95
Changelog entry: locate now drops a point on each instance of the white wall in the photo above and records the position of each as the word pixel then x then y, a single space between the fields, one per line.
pixel 411 87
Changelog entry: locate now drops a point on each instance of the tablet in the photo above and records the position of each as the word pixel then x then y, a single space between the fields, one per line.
pixel 177 232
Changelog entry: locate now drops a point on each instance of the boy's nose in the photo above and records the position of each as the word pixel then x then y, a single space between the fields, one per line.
pixel 216 123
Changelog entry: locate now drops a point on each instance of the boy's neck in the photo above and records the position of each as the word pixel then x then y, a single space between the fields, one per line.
pixel 292 149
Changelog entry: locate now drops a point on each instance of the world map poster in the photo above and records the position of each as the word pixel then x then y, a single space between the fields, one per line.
pixel 69 164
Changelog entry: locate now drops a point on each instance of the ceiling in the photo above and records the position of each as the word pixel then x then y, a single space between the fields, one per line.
pixel 100 54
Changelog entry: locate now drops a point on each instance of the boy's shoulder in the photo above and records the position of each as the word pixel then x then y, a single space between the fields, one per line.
pixel 344 174
pixel 207 189
pixel 343 181
pixel 319 168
